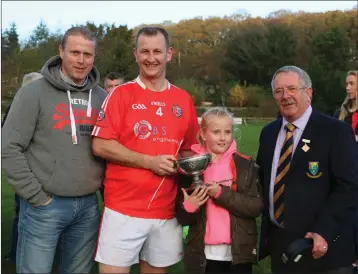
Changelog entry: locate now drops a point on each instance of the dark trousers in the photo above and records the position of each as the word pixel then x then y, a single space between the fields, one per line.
pixel 356 232
pixel 15 232
pixel 341 270
pixel 227 267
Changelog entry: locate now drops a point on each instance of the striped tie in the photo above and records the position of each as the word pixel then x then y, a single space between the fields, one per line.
pixel 283 167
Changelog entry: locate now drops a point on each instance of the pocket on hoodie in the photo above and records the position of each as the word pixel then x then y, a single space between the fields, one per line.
pixel 79 176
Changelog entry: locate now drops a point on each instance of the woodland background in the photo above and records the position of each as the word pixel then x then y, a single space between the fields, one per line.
pixel 225 61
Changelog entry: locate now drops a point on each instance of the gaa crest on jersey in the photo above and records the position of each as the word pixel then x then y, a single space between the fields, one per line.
pixel 177 111
pixel 101 115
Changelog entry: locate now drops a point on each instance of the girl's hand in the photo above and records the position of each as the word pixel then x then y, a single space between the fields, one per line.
pixel 213 189
pixel 197 198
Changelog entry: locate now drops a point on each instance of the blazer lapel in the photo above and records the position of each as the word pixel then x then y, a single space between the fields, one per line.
pixel 276 126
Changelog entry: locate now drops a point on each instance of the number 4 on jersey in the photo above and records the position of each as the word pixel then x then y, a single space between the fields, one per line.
pixel 159 111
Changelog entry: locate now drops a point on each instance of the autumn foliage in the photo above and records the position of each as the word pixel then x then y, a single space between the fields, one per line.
pixel 228 61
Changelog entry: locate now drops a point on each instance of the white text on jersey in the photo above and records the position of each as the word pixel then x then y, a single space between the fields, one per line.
pixel 159 104
pixel 138 106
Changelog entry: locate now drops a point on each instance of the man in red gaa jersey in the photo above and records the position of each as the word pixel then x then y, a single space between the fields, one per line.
pixel 141 129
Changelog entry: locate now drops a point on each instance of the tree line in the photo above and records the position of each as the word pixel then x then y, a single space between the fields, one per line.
pixel 226 60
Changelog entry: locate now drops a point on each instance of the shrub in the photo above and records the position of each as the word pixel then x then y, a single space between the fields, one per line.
pixel 254 95
pixel 196 91
pixel 237 96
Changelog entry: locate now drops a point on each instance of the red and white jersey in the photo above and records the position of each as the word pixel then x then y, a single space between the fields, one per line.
pixel 152 123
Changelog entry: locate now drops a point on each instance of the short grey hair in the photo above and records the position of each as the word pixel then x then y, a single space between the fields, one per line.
pixel 305 80
pixel 30 77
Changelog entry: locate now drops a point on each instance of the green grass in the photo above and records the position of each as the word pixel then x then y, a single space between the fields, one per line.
pixel 247 141
pixel 247 138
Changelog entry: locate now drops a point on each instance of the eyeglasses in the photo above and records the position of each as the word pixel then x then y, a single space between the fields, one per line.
pixel 278 93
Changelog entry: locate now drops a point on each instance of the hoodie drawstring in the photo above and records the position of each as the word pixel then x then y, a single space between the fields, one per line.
pixel 89 106
pixel 72 119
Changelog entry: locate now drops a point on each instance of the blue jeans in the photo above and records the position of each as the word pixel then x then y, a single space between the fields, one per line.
pixel 70 223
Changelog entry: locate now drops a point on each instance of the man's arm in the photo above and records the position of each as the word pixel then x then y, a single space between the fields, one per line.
pixel 112 151
pixel 344 193
pixel 17 133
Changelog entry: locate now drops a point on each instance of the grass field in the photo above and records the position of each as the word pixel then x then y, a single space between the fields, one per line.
pixel 247 141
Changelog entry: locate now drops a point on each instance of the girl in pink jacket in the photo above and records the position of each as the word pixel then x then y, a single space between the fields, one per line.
pixel 221 216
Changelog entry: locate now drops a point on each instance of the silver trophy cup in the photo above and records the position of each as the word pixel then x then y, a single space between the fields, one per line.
pixel 194 166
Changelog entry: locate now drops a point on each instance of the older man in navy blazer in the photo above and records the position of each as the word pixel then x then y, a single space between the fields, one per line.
pixel 309 172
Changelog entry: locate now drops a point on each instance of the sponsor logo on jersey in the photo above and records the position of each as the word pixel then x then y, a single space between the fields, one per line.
pixel 159 104
pixel 165 140
pixel 177 111
pixel 142 129
pixel 139 106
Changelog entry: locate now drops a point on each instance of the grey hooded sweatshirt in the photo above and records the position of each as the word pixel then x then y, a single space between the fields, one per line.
pixel 46 139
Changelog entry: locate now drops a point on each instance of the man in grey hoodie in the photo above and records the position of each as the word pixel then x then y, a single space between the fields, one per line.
pixel 28 78
pixel 47 155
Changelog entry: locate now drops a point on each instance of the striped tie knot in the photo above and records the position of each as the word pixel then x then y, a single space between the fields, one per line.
pixel 290 127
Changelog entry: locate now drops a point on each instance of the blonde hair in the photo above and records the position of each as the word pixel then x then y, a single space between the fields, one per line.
pixel 353 103
pixel 210 113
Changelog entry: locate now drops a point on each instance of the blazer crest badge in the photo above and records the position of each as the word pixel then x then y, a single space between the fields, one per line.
pixel 313 170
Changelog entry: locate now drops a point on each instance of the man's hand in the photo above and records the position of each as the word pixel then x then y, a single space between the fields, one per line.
pixel 197 198
pixel 48 202
pixel 320 245
pixel 163 165
pixel 213 189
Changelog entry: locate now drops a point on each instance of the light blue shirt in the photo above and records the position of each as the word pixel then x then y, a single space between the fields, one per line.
pixel 300 125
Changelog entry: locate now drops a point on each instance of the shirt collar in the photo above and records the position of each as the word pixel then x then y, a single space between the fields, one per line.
pixel 301 122
pixel 140 82
pixel 70 82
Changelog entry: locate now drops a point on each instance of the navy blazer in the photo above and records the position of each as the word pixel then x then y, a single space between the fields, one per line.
pixel 320 200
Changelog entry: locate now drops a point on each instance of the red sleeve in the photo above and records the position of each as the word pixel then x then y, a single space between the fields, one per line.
pixel 355 122
pixel 193 129
pixel 110 117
